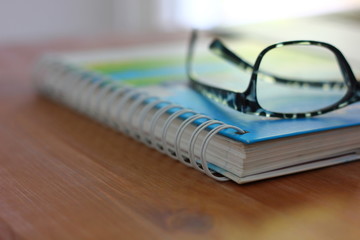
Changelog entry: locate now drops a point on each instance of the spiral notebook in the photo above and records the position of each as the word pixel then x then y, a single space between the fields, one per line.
pixel 142 92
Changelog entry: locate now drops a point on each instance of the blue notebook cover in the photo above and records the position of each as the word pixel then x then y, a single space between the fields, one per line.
pixel 165 76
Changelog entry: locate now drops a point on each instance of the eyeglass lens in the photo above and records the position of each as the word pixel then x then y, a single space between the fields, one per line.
pixel 299 78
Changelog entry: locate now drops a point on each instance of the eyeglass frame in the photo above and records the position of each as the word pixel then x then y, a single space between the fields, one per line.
pixel 247 102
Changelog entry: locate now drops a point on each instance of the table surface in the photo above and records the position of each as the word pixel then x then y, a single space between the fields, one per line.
pixel 64 176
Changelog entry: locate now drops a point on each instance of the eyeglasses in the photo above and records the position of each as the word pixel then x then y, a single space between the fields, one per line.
pixel 292 79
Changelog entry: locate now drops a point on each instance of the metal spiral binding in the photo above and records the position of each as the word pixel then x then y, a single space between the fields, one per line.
pixel 120 125
pixel 127 109
pixel 179 134
pixel 153 123
pixel 93 95
pixel 64 84
pixel 141 133
pixel 99 95
pixel 167 124
pixel 110 102
pixel 135 106
pixel 194 136
pixel 79 93
pixel 87 95
pixel 102 100
pixel 53 82
pixel 205 145
pixel 71 80
pixel 62 78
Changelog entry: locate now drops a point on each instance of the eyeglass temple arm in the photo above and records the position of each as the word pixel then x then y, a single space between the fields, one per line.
pixel 220 95
pixel 221 50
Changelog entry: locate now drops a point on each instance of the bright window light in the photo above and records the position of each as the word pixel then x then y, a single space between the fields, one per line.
pixel 209 13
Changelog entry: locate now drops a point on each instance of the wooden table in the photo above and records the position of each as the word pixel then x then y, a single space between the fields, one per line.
pixel 63 176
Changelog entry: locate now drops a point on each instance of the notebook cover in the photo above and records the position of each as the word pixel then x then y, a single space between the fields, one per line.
pixel 164 75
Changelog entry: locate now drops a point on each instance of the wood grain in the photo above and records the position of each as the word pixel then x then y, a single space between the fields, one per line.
pixel 63 176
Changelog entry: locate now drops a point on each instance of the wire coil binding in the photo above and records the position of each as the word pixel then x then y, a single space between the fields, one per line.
pixel 133 112
pixel 142 136
pixel 167 124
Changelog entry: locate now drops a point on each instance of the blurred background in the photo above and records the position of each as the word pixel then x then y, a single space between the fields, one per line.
pixel 39 20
